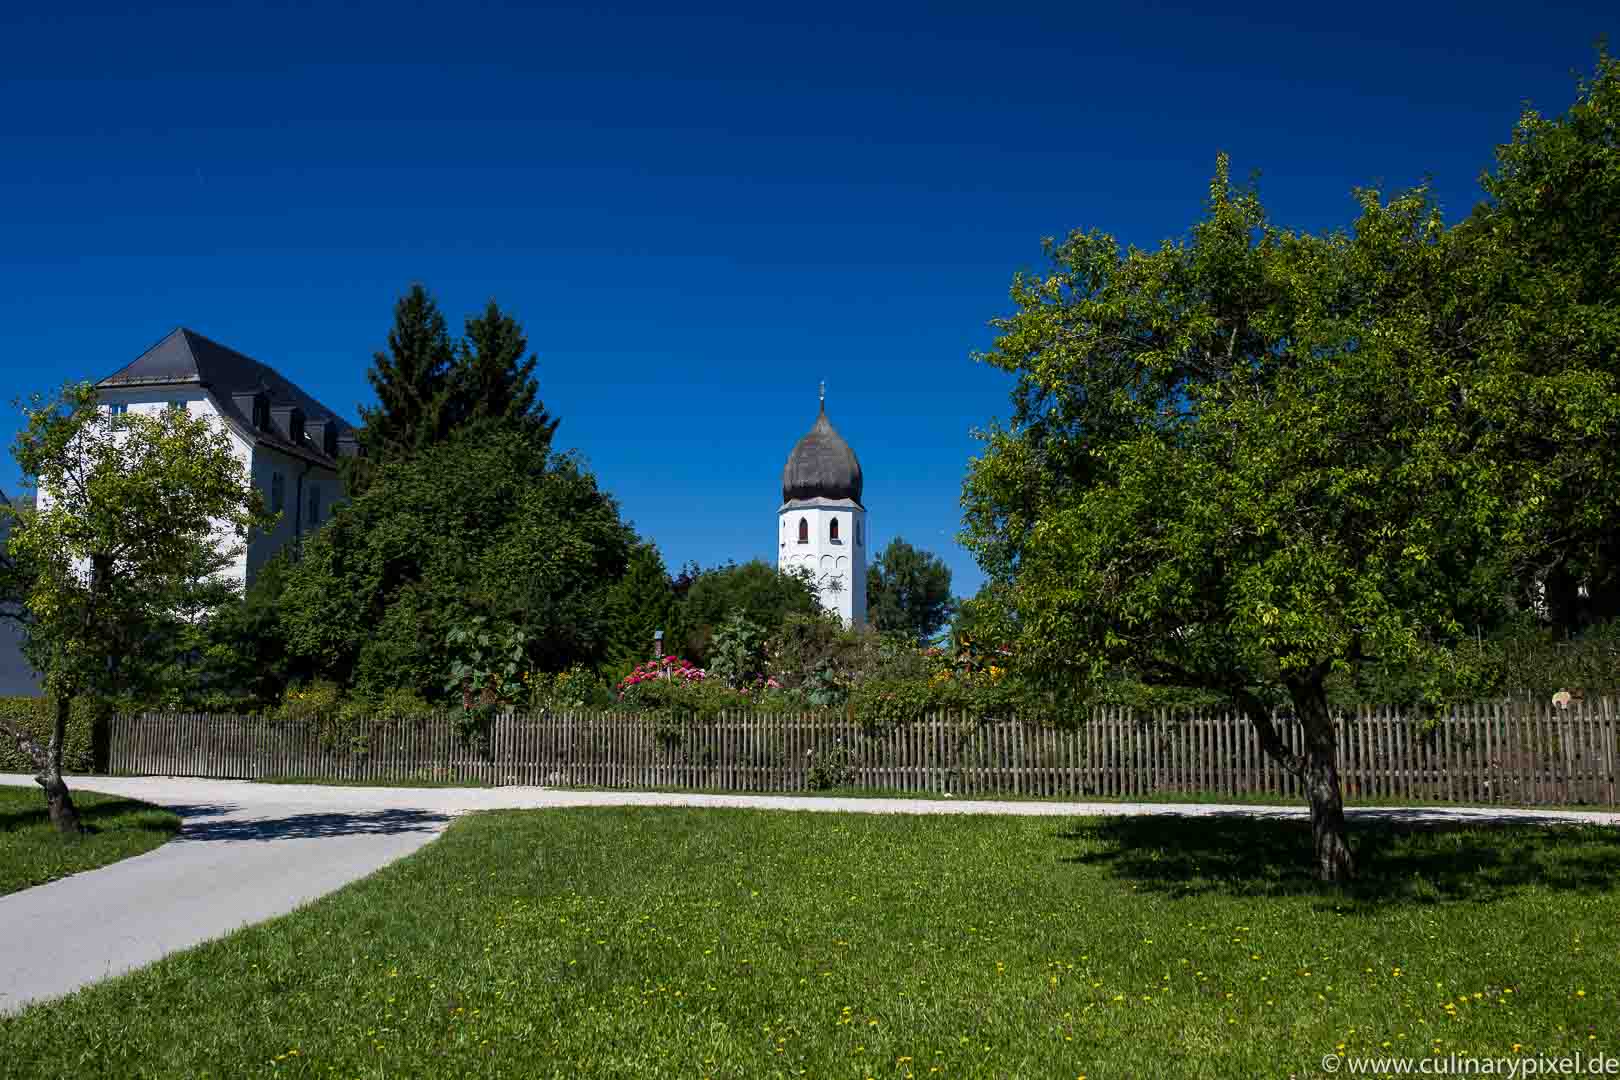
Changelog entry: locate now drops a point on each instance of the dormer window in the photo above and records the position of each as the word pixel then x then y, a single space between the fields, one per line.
pixel 804 531
pixel 832 531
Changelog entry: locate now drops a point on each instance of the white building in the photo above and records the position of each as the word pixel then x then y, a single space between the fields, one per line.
pixel 821 524
pixel 288 442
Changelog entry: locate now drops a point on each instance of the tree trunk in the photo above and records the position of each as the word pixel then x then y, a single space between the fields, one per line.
pixel 64 815
pixel 1333 861
pixel 1317 768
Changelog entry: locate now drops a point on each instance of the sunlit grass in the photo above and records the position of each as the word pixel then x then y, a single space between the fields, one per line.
pixel 32 852
pixel 647 942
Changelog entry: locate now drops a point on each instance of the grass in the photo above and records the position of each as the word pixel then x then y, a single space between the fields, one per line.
pixel 32 852
pixel 1198 797
pixel 898 793
pixel 643 942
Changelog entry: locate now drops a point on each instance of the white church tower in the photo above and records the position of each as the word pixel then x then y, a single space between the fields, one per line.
pixel 822 524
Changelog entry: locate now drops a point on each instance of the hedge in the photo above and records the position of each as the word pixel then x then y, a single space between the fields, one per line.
pixel 36 714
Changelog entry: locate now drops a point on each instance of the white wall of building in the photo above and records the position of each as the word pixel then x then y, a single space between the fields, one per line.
pixel 261 463
pixel 839 564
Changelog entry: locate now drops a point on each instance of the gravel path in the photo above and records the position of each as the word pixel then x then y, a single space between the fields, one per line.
pixel 248 852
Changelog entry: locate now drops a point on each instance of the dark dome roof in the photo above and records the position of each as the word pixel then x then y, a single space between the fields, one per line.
pixel 821 466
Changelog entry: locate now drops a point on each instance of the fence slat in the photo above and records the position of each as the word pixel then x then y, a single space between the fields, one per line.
pixel 1518 751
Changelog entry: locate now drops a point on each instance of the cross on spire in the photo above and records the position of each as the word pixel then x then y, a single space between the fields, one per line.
pixel 824 391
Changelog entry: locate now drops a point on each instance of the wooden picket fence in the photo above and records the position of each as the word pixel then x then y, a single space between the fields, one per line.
pixel 1518 753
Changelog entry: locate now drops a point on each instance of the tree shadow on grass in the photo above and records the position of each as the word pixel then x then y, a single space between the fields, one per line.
pixel 209 821
pixel 91 816
pixel 1399 858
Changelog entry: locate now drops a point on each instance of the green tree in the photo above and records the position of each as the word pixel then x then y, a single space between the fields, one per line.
pixel 243 648
pixel 1242 461
pixel 493 378
pixel 754 590
pixel 641 602
pixel 412 382
pixel 485 525
pixel 908 591
pixel 135 510
pixel 1542 301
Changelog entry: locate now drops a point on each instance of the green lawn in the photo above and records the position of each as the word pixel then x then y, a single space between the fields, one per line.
pixel 645 942
pixel 32 853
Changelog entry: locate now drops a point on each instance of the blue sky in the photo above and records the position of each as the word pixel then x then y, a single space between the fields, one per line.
pixel 696 216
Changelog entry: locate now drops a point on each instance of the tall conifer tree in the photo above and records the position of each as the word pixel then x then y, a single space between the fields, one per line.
pixel 411 380
pixel 493 378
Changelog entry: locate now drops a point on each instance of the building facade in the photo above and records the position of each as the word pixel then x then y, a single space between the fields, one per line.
pixel 821 524
pixel 288 443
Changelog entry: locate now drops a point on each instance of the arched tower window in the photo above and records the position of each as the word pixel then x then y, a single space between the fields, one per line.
pixel 804 531
pixel 832 531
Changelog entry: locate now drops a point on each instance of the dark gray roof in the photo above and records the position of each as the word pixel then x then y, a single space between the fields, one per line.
pixel 186 357
pixel 822 466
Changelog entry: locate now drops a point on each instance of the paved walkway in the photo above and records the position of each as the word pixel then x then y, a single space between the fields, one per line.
pixel 248 852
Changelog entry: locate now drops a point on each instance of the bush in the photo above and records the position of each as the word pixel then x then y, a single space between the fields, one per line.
pixel 576 688
pixel 318 699
pixel 35 715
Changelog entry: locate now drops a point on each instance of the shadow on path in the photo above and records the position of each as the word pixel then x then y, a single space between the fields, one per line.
pixel 204 822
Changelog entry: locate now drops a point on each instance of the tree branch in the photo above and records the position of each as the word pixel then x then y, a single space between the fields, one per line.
pixel 1270 741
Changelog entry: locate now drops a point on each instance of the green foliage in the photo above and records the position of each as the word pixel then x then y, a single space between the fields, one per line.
pixel 485 526
pixel 430 388
pixel 816 661
pixel 908 591
pixel 641 602
pixel 486 668
pixel 492 380
pixel 35 715
pixel 396 704
pixel 242 650
pixel 411 381
pixel 123 558
pixel 576 688
pixel 1239 460
pixel 754 590
pixel 832 767
pixel 1541 303
pixel 737 651
pixel 316 701
pixel 1254 458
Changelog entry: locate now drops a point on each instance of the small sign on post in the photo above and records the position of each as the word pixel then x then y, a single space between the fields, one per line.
pixel 658 644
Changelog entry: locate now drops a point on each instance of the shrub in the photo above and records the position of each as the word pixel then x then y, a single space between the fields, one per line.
pixel 318 699
pixel 35 715
pixel 576 688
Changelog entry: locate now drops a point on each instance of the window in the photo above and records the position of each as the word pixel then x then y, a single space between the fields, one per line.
pixel 314 514
pixel 832 531
pixel 857 534
pixel 118 408
pixel 804 531
pixel 278 493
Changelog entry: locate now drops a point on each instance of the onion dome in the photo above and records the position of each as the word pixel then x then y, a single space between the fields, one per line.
pixel 822 465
